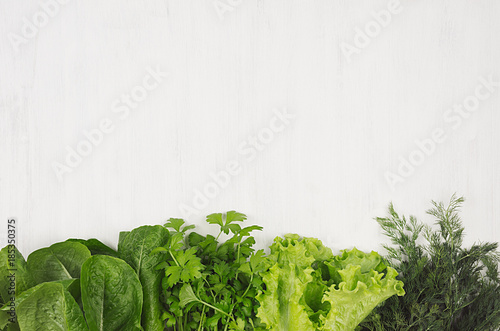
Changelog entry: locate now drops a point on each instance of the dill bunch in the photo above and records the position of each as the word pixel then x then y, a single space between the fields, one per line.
pixel 448 287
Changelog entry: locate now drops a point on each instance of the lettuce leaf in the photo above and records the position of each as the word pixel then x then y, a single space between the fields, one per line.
pixel 281 307
pixel 309 289
pixel 357 295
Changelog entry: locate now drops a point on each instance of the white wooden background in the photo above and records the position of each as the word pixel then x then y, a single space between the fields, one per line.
pixel 230 63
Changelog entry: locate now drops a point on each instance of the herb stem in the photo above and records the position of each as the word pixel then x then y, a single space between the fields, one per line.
pixel 248 288
pixel 201 317
pixel 173 257
pixel 215 308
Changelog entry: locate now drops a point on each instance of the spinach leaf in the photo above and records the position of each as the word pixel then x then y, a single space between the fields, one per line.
pixel 14 279
pixel 12 263
pixel 5 325
pixel 96 247
pixel 69 284
pixel 50 308
pixel 135 248
pixel 7 311
pixel 122 236
pixel 111 294
pixel 60 261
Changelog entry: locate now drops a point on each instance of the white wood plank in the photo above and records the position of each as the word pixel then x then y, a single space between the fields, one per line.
pixel 322 176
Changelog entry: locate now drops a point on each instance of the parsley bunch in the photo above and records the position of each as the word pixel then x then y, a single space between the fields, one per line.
pixel 208 284
pixel 448 287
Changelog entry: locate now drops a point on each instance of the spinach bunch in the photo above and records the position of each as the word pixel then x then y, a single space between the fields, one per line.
pixel 209 284
pixel 448 287
pixel 80 285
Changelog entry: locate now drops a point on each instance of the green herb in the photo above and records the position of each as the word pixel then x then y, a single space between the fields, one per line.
pixel 448 287
pixel 210 284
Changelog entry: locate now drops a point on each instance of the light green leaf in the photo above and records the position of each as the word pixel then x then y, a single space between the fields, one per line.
pixel 246 231
pixel 215 218
pixel 357 295
pixel 186 295
pixel 234 216
pixel 280 308
pixel 173 274
pixel 245 268
pixel 299 293
pixel 175 223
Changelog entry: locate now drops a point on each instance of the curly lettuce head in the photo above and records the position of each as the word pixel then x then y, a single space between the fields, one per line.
pixel 308 288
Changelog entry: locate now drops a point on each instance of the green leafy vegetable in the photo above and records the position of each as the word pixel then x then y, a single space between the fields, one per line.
pixel 96 247
pixel 50 307
pixel 357 295
pixel 8 310
pixel 172 278
pixel 286 281
pixel 57 262
pixel 13 271
pixel 69 284
pixel 310 289
pixel 122 236
pixel 135 248
pixel 281 307
pixel 111 294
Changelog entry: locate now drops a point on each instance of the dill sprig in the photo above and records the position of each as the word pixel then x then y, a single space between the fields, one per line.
pixel 448 287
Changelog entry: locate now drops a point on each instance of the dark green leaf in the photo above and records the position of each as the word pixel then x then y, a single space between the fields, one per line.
pixel 50 308
pixel 136 250
pixel 96 247
pixel 194 239
pixel 111 294
pixel 13 267
pixel 60 261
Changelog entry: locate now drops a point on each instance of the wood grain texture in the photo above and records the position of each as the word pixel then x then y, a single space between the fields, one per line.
pixel 322 176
